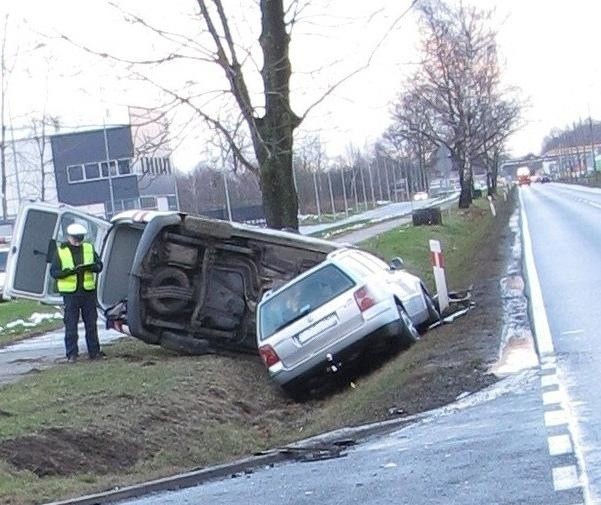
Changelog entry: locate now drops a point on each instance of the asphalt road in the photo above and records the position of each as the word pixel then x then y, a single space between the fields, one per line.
pixel 565 228
pixel 511 444
pixel 490 452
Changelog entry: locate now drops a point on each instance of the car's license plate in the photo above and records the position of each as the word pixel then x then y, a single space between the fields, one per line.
pixel 323 325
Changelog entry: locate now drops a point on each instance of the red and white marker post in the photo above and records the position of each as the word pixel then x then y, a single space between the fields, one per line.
pixel 437 259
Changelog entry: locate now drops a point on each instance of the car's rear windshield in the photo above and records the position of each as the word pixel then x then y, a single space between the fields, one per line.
pixel 3 256
pixel 301 298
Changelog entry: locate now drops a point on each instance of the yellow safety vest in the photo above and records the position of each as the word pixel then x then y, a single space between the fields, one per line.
pixel 69 284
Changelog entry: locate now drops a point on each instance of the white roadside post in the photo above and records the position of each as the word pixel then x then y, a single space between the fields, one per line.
pixel 437 259
pixel 492 206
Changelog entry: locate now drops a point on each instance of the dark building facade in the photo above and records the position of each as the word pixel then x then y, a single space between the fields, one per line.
pixel 97 170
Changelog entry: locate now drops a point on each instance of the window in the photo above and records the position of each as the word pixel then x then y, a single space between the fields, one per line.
pixel 124 167
pixel 127 204
pixel 148 202
pixel 92 171
pixel 75 173
pixel 156 166
pixel 172 202
pixel 105 168
pixel 302 297
pixel 3 257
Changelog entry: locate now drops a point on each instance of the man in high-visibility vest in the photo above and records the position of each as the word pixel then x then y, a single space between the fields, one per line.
pixel 74 267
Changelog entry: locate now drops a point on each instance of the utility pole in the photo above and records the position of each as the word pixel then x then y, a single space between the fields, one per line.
pixel 331 195
pixel 344 191
pixel 227 196
pixel 108 166
pixel 593 157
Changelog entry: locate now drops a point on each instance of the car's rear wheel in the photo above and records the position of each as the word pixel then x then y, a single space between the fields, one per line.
pixel 408 334
pixel 296 392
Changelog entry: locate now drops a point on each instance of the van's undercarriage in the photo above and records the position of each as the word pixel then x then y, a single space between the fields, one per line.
pixel 196 285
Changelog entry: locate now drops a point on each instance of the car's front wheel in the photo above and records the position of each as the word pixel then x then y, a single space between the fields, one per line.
pixel 408 334
pixel 433 313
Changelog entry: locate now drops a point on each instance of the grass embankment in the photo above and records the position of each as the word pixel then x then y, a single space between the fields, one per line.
pixel 13 310
pixel 145 412
pixel 461 234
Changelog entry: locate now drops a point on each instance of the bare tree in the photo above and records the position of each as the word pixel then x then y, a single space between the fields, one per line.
pixel 5 70
pixel 455 98
pixel 268 116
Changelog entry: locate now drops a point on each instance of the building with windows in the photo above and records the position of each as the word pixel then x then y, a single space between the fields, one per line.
pixel 105 172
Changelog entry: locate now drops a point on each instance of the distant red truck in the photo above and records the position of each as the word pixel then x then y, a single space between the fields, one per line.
pixel 523 174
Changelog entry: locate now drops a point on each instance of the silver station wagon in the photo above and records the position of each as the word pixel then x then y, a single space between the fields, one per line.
pixel 350 302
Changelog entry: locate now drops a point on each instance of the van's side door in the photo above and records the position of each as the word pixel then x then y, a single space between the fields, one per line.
pixel 38 228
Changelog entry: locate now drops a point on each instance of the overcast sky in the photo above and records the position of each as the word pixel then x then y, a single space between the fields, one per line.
pixel 549 50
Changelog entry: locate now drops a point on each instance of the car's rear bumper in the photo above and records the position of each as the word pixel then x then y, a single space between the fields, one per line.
pixel 341 352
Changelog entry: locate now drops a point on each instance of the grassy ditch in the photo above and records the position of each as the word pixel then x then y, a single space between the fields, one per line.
pixel 145 412
pixel 14 310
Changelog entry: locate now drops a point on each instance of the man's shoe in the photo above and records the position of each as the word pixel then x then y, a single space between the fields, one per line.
pixel 99 355
pixel 72 359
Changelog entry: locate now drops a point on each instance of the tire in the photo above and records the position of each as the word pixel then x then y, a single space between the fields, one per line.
pixel 433 314
pixel 184 344
pixel 408 334
pixel 295 392
pixel 168 277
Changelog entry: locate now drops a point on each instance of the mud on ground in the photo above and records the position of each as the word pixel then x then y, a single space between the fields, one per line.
pixel 218 408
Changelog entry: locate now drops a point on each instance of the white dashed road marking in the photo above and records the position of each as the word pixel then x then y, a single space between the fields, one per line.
pixel 548 380
pixel 565 477
pixel 552 397
pixel 560 444
pixel 555 418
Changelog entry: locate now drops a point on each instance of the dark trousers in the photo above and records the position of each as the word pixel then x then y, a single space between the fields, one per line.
pixel 86 304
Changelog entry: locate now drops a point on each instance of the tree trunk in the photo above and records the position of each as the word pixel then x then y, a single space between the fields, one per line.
pixel 466 180
pixel 280 201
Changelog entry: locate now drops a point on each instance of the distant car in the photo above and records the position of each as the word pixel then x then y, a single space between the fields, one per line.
pixel 331 313
pixel 544 179
pixel 420 195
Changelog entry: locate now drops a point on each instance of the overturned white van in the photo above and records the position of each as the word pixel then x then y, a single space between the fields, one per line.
pixel 185 282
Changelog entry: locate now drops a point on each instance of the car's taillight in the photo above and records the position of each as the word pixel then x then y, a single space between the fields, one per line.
pixel 268 355
pixel 364 299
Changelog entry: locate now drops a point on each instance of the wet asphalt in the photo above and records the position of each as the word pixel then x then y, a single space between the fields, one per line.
pixel 565 225
pixel 493 447
pixel 38 353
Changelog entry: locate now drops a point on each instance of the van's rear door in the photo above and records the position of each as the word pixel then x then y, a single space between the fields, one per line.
pixel 37 227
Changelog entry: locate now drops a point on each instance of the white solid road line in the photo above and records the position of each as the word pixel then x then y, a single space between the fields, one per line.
pixel 537 305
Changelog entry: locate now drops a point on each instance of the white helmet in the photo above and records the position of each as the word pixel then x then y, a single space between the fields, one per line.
pixel 76 229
